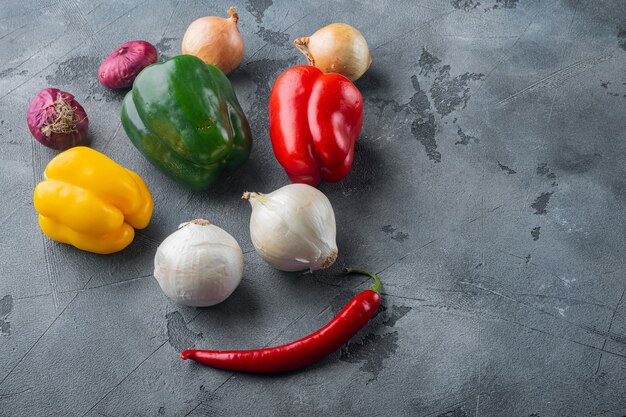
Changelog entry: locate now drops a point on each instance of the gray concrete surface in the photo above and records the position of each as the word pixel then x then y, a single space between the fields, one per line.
pixel 488 190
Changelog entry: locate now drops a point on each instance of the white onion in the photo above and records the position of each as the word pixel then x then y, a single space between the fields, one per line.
pixel 198 265
pixel 293 228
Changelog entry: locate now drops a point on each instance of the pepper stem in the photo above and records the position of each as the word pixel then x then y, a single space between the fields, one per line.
pixel 377 284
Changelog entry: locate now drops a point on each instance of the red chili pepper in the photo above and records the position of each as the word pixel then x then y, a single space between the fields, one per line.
pixel 315 118
pixel 302 352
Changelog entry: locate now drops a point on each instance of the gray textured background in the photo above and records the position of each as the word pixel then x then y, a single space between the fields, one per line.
pixel 488 190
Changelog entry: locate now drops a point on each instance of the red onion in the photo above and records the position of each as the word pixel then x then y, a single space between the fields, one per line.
pixel 120 68
pixel 56 120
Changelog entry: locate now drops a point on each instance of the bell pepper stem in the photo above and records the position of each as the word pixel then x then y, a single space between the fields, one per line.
pixel 377 284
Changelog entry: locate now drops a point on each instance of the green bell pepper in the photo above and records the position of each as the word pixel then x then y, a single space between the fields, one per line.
pixel 184 117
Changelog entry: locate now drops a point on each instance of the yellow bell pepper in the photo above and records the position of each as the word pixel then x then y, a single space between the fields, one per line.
pixel 89 201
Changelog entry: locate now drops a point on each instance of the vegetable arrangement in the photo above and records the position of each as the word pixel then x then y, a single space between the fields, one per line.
pixel 184 117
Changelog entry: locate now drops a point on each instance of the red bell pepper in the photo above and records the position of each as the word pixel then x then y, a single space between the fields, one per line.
pixel 315 118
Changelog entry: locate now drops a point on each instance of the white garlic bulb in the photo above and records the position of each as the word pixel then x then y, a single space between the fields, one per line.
pixel 199 265
pixel 293 228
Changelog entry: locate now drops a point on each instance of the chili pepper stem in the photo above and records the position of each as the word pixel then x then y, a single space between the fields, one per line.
pixel 377 284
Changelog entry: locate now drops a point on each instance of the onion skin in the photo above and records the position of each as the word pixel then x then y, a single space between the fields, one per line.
pixel 338 48
pixel 120 68
pixel 56 119
pixel 293 228
pixel 199 265
pixel 216 41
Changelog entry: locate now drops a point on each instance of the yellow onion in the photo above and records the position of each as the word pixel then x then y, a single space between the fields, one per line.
pixel 216 41
pixel 338 48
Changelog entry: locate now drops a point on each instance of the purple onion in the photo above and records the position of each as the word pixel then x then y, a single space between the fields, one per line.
pixel 56 120
pixel 120 68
